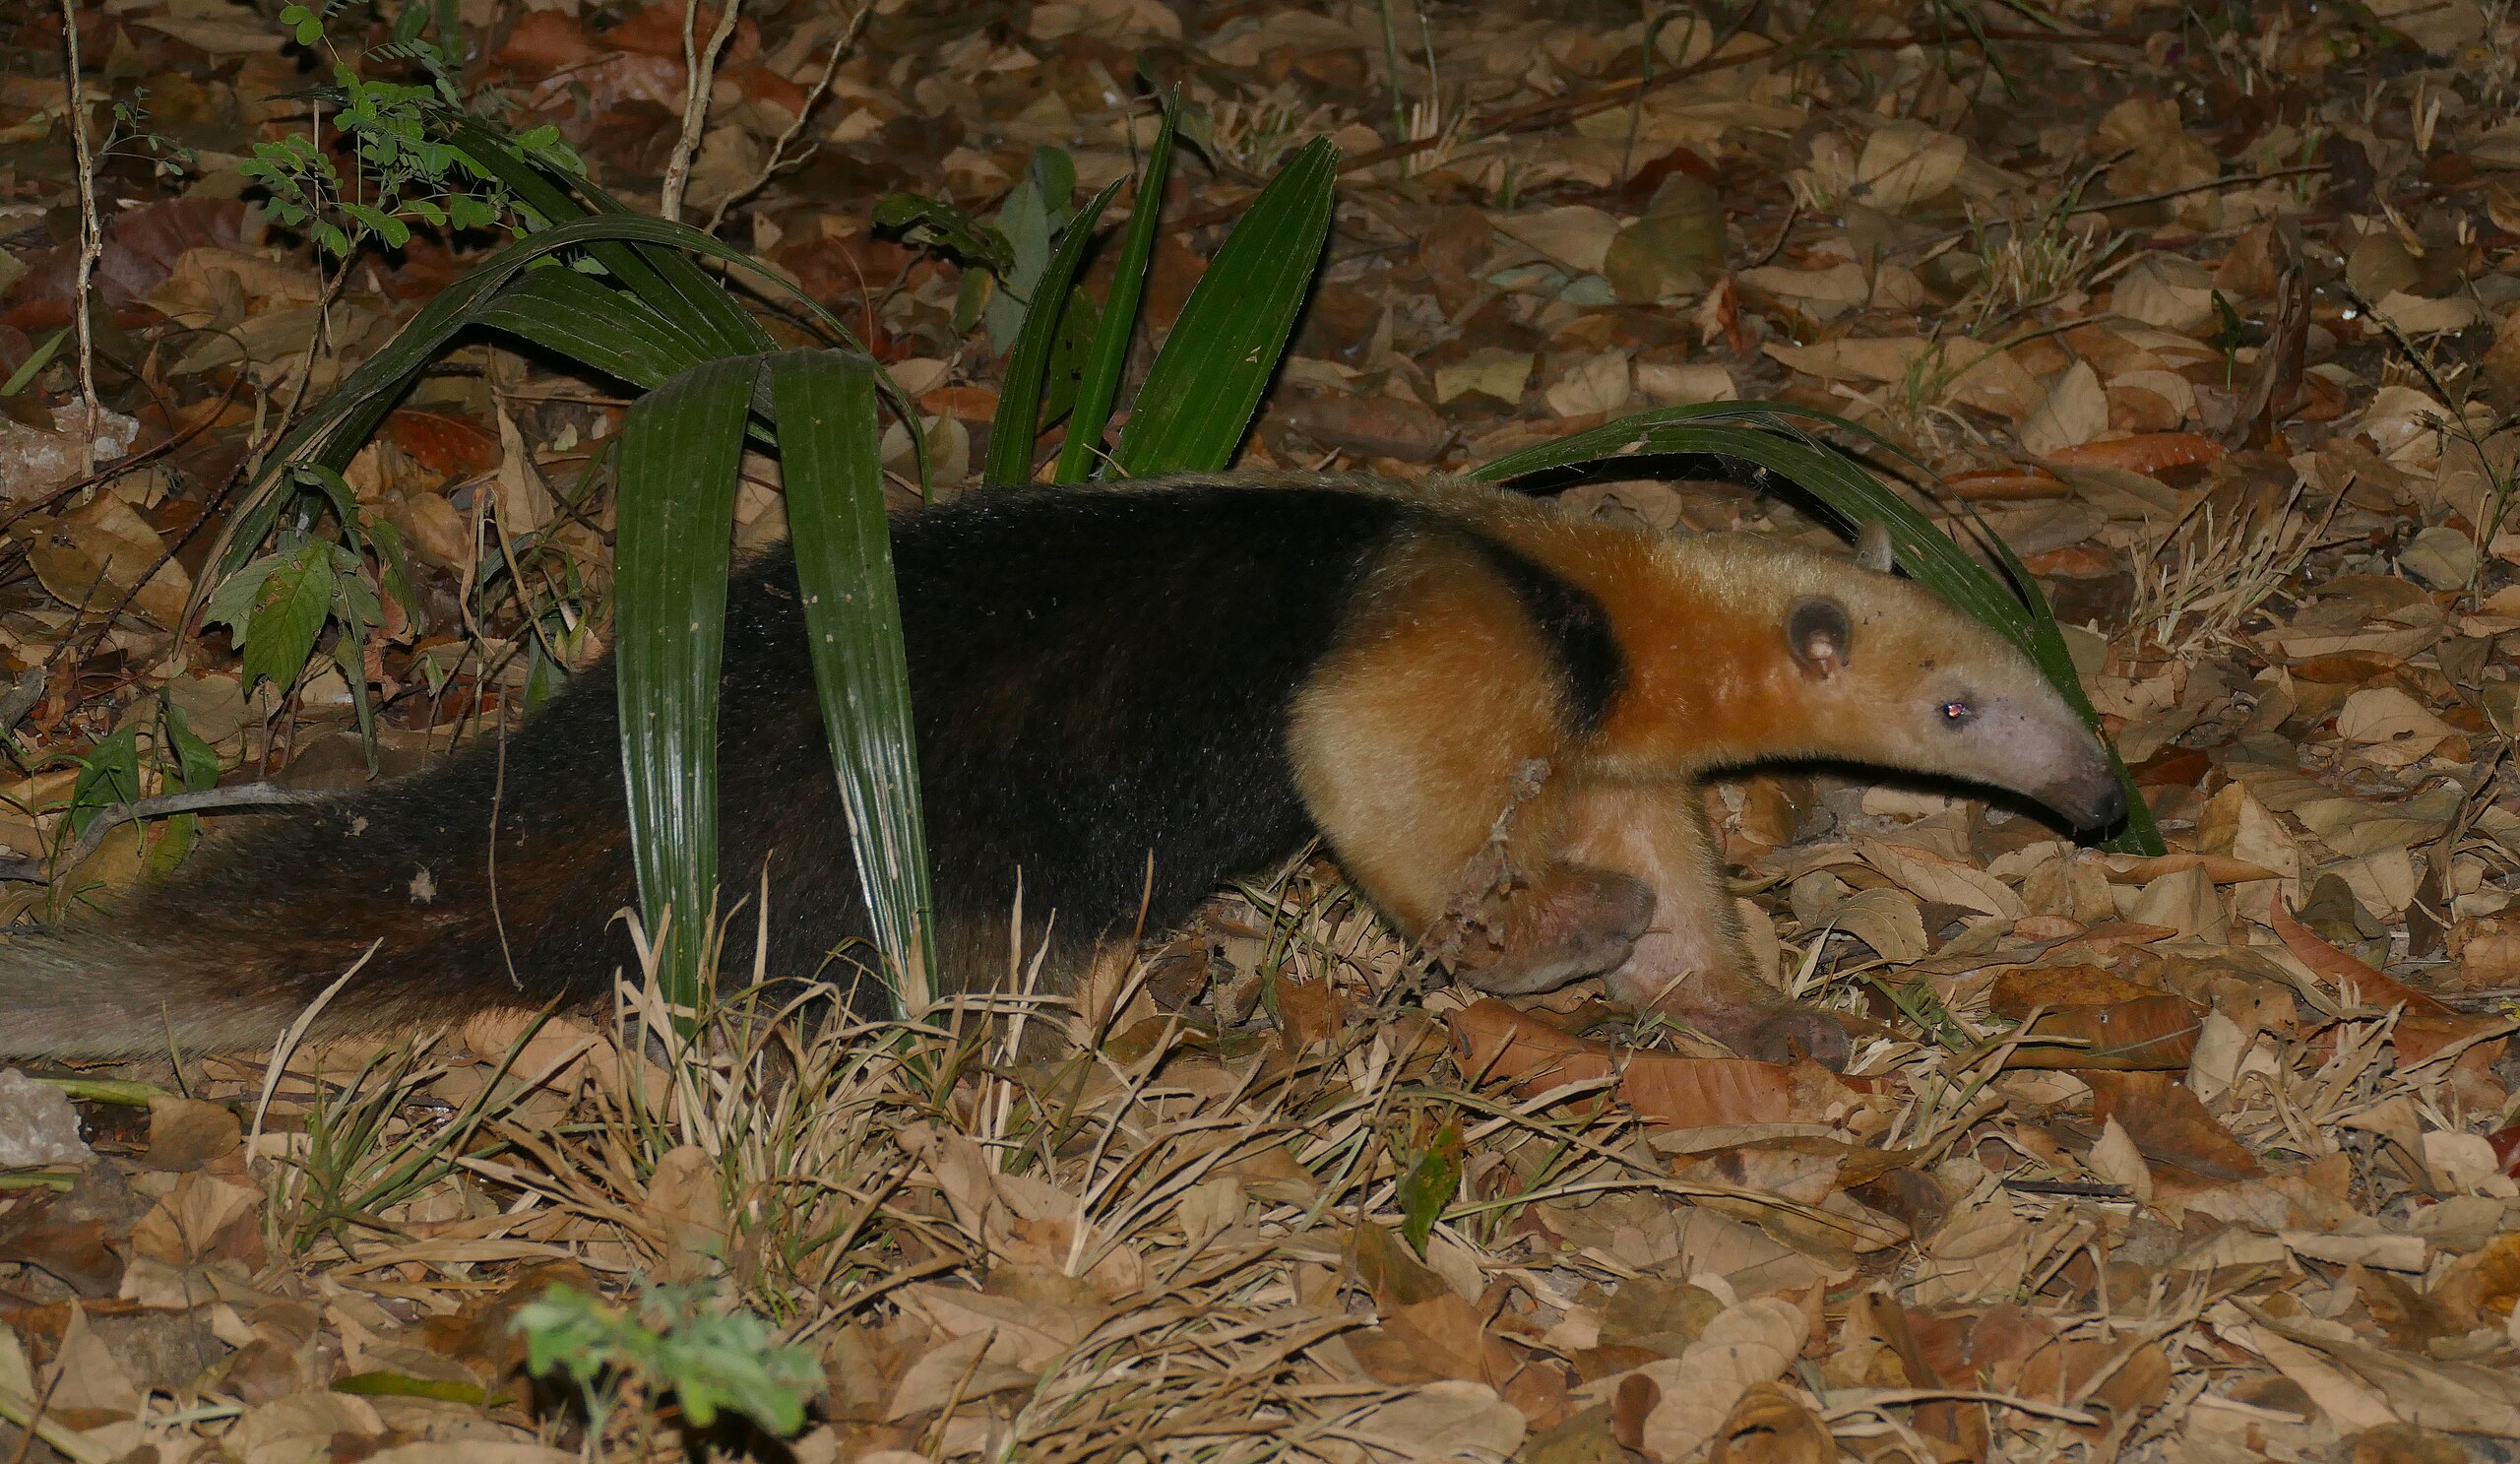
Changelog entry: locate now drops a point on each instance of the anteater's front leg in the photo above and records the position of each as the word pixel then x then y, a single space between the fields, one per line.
pixel 1424 755
pixel 1691 964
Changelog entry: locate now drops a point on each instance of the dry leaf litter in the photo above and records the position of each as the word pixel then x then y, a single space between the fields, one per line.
pixel 2214 314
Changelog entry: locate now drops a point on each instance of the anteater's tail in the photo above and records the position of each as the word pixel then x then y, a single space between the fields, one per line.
pixel 400 887
pixel 108 993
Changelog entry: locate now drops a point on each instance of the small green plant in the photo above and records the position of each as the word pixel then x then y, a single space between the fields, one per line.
pixel 131 136
pixel 674 1340
pixel 362 1154
pixel 401 172
pixel 278 605
pixel 109 776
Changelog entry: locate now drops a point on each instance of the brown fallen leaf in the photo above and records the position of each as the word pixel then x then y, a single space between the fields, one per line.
pixel 69 1249
pixel 1489 1036
pixel 185 1133
pixel 1771 1425
pixel 93 556
pixel 2151 1032
pixel 1378 425
pixel 2424 1027
pixel 1443 1330
pixel 2172 1128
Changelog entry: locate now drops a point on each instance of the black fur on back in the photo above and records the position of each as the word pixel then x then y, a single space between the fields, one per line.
pixel 1100 677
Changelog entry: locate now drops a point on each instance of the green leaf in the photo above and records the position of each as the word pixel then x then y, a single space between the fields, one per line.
pixel 1106 361
pixel 34 363
pixel 1078 324
pixel 196 768
pixel 279 613
pixel 196 761
pixel 830 460
pixel 947 226
pixel 108 776
pixel 680 449
pixel 1027 218
pixel 1208 377
pixel 333 430
pixel 1430 1186
pixel 1764 434
pixel 404 1385
pixel 1018 397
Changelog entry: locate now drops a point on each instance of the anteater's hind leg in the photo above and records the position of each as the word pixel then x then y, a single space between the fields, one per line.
pixel 1691 964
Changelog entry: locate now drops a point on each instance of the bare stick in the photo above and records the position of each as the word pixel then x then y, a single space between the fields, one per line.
pixel 700 72
pixel 778 158
pixel 243 795
pixel 91 235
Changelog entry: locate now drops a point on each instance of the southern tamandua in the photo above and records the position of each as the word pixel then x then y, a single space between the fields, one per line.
pixel 1126 696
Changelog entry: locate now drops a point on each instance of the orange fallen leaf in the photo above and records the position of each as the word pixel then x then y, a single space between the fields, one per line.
pixel 2150 1034
pixel 2005 486
pixel 2145 452
pixel 972 404
pixel 443 442
pixel 2376 986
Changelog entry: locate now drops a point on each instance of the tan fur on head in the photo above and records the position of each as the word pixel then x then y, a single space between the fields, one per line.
pixel 1721 675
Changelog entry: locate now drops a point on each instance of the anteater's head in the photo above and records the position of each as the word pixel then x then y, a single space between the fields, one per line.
pixel 1869 668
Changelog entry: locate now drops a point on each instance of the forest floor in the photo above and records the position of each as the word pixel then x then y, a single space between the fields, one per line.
pixel 2213 314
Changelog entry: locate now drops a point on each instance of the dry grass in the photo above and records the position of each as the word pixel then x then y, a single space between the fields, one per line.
pixel 2210 571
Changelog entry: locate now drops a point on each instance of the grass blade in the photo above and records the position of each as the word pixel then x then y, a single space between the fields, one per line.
pixel 1207 380
pixel 1018 397
pixel 598 327
pixel 681 445
pixel 832 458
pixel 1109 360
pixel 1765 434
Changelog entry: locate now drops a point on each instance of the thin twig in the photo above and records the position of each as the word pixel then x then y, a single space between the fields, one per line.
pixel 778 158
pixel 197 800
pixel 91 235
pixel 700 72
pixel 1558 110
pixel 2159 195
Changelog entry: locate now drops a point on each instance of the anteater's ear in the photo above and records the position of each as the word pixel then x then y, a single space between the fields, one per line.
pixel 1817 630
pixel 1872 548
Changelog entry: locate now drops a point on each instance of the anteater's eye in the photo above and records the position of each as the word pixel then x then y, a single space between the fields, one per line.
pixel 1958 713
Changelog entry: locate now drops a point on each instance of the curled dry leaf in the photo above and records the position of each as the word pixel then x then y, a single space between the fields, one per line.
pixel 2171 1128
pixel 90 558
pixel 1743 1347
pixel 1772 1426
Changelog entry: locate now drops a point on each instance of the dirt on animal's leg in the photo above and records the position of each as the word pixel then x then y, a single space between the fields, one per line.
pixel 1691 964
pixel 1548 926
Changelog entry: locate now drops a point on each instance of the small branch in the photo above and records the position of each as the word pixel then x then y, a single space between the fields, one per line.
pixel 778 158
pixel 91 235
pixel 202 800
pixel 700 73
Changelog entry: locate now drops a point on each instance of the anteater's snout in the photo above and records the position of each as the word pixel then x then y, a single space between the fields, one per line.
pixel 2106 809
pixel 2092 799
